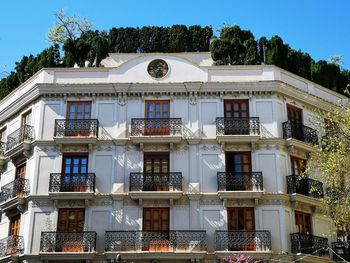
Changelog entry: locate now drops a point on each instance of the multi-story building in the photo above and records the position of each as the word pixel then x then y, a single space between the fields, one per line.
pixel 161 158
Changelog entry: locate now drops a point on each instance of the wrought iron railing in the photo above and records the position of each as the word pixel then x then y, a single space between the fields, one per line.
pixel 238 126
pixel 172 240
pixel 299 132
pixel 62 182
pixel 11 245
pixel 17 188
pixel 156 126
pixel 309 244
pixel 155 181
pixel 342 248
pixel 76 127
pixel 243 240
pixel 245 181
pixel 68 241
pixel 24 133
pixel 304 186
pixel 2 148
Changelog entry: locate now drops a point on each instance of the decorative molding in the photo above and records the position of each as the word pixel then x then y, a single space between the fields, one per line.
pixel 193 98
pixel 240 202
pixel 77 148
pixel 122 99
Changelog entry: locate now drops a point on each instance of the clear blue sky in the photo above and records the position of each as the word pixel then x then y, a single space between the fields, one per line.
pixel 319 27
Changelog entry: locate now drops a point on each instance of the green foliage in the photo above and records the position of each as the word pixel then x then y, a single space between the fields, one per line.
pixel 331 164
pixel 239 47
pixel 177 38
pixel 28 66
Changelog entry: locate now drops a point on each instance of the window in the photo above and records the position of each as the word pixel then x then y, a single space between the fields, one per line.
pixel 238 165
pixel 15 223
pixel 74 173
pixel 294 114
pixel 156 171
pixel 157 117
pixel 157 109
pixel 156 219
pixel 297 165
pixel 303 223
pixel 79 110
pixel 242 219
pixel 20 177
pixel 26 118
pixel 236 109
pixel 71 220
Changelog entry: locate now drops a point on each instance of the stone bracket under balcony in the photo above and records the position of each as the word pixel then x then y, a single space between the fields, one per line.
pixel 18 203
pixel 298 199
pixel 228 195
pixel 296 145
pixel 156 195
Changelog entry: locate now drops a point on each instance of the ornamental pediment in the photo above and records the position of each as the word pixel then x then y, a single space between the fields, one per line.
pixel 158 68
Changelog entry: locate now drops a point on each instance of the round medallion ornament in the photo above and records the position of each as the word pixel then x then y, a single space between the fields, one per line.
pixel 157 68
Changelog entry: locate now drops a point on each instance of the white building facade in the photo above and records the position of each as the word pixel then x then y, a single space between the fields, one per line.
pixel 161 158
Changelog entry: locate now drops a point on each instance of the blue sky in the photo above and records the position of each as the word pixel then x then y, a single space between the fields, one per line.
pixel 320 28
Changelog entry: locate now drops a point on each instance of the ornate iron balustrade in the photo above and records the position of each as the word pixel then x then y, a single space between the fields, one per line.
pixel 299 132
pixel 11 245
pixel 155 181
pixel 17 188
pixel 172 240
pixel 232 181
pixel 156 126
pixel 2 148
pixel 62 182
pixel 68 241
pixel 77 127
pixel 238 126
pixel 304 186
pixel 342 248
pixel 24 133
pixel 243 240
pixel 309 244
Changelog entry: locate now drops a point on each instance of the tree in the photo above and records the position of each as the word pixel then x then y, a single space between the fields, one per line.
pixel 67 27
pixel 331 165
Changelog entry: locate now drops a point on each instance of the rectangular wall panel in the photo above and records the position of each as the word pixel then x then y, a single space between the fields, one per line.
pixel 208 118
pixel 106 118
pixel 265 113
pixel 100 222
pixel 271 221
pixel 209 166
pixel 267 165
pixel 46 165
pixel 51 112
pixel 104 173
pixel 211 221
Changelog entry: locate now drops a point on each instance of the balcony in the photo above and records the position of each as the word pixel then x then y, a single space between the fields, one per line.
pixel 13 194
pixel 186 241
pixel 72 186
pixel 77 131
pixel 19 141
pixel 11 246
pixel 237 129
pixel 156 186
pixel 68 245
pixel 342 248
pixel 304 186
pixel 243 240
pixel 295 131
pixel 233 185
pixel 309 244
pixel 155 130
